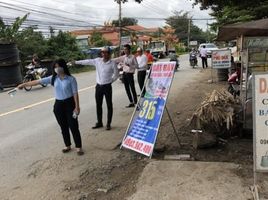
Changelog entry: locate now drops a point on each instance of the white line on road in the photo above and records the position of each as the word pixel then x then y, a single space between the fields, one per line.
pixel 39 103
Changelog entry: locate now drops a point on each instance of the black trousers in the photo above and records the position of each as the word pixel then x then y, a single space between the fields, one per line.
pixel 204 62
pixel 141 79
pixel 100 92
pixel 63 110
pixel 129 83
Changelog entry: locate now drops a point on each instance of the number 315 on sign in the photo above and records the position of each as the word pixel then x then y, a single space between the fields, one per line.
pixel 148 110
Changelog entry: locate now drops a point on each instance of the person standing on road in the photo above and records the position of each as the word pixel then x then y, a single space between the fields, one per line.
pixel 66 107
pixel 150 57
pixel 142 67
pixel 106 74
pixel 203 54
pixel 129 64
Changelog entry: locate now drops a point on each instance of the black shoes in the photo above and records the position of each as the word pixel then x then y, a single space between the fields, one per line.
pixel 97 126
pixel 131 105
pixel 108 127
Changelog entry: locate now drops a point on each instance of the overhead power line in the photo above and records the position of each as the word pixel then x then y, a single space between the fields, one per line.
pixel 25 9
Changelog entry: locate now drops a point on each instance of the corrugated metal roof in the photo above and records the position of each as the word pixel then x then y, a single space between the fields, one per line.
pixel 252 28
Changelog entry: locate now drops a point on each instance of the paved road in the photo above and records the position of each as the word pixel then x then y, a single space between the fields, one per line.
pixel 29 132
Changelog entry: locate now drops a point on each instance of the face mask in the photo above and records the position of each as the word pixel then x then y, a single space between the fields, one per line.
pixel 59 70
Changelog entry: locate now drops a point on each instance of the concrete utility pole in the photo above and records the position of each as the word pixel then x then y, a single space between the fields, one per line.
pixel 189 32
pixel 207 33
pixel 120 23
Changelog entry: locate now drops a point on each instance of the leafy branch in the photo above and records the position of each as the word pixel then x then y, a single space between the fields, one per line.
pixel 8 33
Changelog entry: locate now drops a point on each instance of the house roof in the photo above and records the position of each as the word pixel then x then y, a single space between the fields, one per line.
pixel 139 28
pixel 252 28
pixel 136 28
pixel 144 38
pixel 112 37
pixel 112 33
pixel 90 31
pixel 151 30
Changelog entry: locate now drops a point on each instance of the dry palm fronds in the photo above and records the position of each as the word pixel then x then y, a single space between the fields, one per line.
pixel 215 111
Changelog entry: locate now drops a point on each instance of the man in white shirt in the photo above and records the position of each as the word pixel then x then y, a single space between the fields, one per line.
pixel 129 65
pixel 106 74
pixel 142 67
pixel 203 54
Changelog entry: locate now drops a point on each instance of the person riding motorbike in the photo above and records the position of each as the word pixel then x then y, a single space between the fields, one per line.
pixel 34 72
pixel 35 66
pixel 173 57
pixel 193 57
pixel 36 61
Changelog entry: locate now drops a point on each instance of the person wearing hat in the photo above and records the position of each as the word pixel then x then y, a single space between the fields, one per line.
pixel 142 67
pixel 106 74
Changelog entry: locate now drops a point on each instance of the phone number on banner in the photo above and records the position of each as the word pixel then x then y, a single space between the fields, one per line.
pixel 138 145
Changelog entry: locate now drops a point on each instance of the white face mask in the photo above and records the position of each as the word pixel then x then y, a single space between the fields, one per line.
pixel 59 70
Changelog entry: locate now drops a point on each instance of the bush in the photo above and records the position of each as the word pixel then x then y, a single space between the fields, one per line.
pixel 180 50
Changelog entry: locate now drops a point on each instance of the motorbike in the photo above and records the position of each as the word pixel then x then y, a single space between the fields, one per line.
pixel 234 84
pixel 193 59
pixel 174 58
pixel 34 74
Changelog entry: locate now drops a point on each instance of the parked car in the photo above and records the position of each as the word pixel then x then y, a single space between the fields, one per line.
pixel 209 47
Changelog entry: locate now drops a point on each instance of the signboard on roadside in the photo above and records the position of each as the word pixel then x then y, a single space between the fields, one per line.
pixel 143 128
pixel 260 121
pixel 255 42
pixel 193 43
pixel 125 40
pixel 221 59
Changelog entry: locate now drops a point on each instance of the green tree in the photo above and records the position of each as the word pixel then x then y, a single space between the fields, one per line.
pixel 63 45
pixel 232 11
pixel 180 22
pixel 126 21
pixel 30 42
pixel 97 40
pixel 8 33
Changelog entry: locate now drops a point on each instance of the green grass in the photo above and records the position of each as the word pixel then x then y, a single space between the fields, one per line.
pixel 81 68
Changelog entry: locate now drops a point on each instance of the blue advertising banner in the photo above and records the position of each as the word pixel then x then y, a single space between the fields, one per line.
pixel 143 128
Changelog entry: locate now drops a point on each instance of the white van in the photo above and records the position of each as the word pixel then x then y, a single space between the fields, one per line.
pixel 209 47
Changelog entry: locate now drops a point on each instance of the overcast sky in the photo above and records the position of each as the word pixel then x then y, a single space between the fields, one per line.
pixel 83 12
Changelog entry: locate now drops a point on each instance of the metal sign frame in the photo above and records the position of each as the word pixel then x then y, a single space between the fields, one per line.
pixel 161 116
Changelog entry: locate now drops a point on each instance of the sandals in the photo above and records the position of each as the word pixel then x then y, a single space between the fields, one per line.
pixel 79 152
pixel 66 150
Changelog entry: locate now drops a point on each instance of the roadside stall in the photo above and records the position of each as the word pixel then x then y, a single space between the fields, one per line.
pixel 252 56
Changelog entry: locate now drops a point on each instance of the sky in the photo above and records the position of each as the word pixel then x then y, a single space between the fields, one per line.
pixel 77 14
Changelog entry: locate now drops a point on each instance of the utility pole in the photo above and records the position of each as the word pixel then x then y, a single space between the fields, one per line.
pixel 207 33
pixel 189 32
pixel 120 23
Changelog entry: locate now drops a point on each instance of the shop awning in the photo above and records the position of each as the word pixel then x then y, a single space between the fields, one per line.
pixel 252 28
